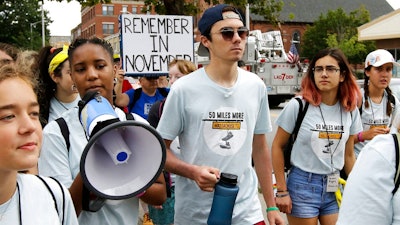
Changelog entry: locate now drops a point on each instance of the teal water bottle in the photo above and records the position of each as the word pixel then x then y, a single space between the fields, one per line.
pixel 225 193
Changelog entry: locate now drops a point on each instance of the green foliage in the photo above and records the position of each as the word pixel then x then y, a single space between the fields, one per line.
pixel 17 18
pixel 87 2
pixel 171 7
pixel 338 29
pixel 269 9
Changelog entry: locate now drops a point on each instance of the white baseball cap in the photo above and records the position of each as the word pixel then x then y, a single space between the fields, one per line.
pixel 379 57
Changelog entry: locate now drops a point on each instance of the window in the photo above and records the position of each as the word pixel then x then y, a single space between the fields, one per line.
pixel 134 9
pixel 124 8
pixel 296 37
pixel 108 10
pixel 108 28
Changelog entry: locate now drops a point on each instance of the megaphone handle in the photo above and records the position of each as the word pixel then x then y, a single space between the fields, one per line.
pixel 91 206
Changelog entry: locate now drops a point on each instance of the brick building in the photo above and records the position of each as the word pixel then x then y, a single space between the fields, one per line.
pixel 101 20
pixel 297 14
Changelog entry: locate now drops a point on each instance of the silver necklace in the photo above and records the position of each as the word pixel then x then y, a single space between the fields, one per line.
pixel 59 102
pixel 372 109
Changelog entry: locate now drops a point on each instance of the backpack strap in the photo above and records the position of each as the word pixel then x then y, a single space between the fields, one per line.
pixel 161 108
pixel 54 197
pixel 163 92
pixel 397 173
pixel 391 100
pixel 64 131
pixel 129 116
pixel 293 135
pixel 136 95
pixel 300 117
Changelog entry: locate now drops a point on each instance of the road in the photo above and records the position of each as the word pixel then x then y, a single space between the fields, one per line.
pixel 270 137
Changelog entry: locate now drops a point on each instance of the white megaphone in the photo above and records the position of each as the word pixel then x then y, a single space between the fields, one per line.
pixel 122 158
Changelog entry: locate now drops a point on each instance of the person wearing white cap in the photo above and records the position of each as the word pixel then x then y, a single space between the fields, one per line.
pixel 370 195
pixel 378 105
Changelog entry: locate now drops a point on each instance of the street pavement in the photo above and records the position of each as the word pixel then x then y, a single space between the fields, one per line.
pixel 264 207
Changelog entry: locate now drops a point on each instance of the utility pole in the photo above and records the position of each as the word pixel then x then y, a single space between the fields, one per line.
pixel 43 28
pixel 33 24
pixel 247 16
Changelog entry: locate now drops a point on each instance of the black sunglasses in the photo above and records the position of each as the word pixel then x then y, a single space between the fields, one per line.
pixel 228 33
pixel 151 78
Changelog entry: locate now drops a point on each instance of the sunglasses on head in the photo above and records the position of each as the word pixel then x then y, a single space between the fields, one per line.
pixel 228 32
pixel 151 78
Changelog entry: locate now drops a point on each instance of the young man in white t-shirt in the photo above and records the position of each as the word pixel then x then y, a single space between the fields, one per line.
pixel 221 116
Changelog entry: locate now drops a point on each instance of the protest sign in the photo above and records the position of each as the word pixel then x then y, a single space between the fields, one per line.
pixel 150 42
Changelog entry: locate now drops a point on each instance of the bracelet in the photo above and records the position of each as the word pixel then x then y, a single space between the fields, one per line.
pixel 140 194
pixel 359 137
pixel 281 195
pixel 274 208
pixel 281 191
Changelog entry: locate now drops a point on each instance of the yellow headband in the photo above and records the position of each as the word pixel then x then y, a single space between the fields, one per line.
pixel 58 59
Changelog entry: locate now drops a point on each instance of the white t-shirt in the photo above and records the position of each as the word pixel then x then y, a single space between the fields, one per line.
pixel 312 150
pixel 33 203
pixel 216 126
pixel 375 115
pixel 58 162
pixel 367 197
pixel 57 108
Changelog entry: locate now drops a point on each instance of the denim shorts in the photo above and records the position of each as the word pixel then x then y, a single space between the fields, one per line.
pixel 309 196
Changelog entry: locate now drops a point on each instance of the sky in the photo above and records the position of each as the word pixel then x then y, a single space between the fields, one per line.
pixel 67 16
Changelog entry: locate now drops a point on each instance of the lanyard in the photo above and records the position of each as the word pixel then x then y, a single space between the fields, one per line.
pixel 328 146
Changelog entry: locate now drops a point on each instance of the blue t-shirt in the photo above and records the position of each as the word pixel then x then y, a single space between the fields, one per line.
pixel 144 103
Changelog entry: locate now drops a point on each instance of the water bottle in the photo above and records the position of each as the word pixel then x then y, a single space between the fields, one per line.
pixel 225 194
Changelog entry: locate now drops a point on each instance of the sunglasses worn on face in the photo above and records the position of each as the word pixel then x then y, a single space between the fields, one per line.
pixel 228 33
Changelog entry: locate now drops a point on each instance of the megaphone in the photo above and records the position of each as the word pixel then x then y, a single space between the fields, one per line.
pixel 122 158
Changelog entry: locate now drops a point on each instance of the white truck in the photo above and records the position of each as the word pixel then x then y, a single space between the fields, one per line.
pixel 265 55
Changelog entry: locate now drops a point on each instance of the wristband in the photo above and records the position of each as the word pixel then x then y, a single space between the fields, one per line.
pixel 274 208
pixel 140 194
pixel 359 137
pixel 281 195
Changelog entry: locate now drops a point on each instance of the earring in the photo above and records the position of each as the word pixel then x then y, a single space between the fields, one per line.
pixel 73 87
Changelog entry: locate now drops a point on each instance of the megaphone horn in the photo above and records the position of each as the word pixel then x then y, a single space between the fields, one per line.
pixel 122 158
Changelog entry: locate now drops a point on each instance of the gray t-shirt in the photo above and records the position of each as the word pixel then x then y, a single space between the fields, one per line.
pixel 313 151
pixel 375 116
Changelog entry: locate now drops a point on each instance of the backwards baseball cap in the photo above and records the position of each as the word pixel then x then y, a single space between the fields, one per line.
pixel 214 14
pixel 379 57
pixel 210 17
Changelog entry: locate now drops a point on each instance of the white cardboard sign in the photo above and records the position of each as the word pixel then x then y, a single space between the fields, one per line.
pixel 150 42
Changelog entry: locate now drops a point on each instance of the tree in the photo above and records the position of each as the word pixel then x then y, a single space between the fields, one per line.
pixel 16 17
pixel 86 2
pixel 337 29
pixel 269 9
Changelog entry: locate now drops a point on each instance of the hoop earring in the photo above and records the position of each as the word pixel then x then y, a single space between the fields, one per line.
pixel 73 87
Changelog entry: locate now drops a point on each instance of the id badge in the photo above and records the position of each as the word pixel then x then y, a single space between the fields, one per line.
pixel 333 182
